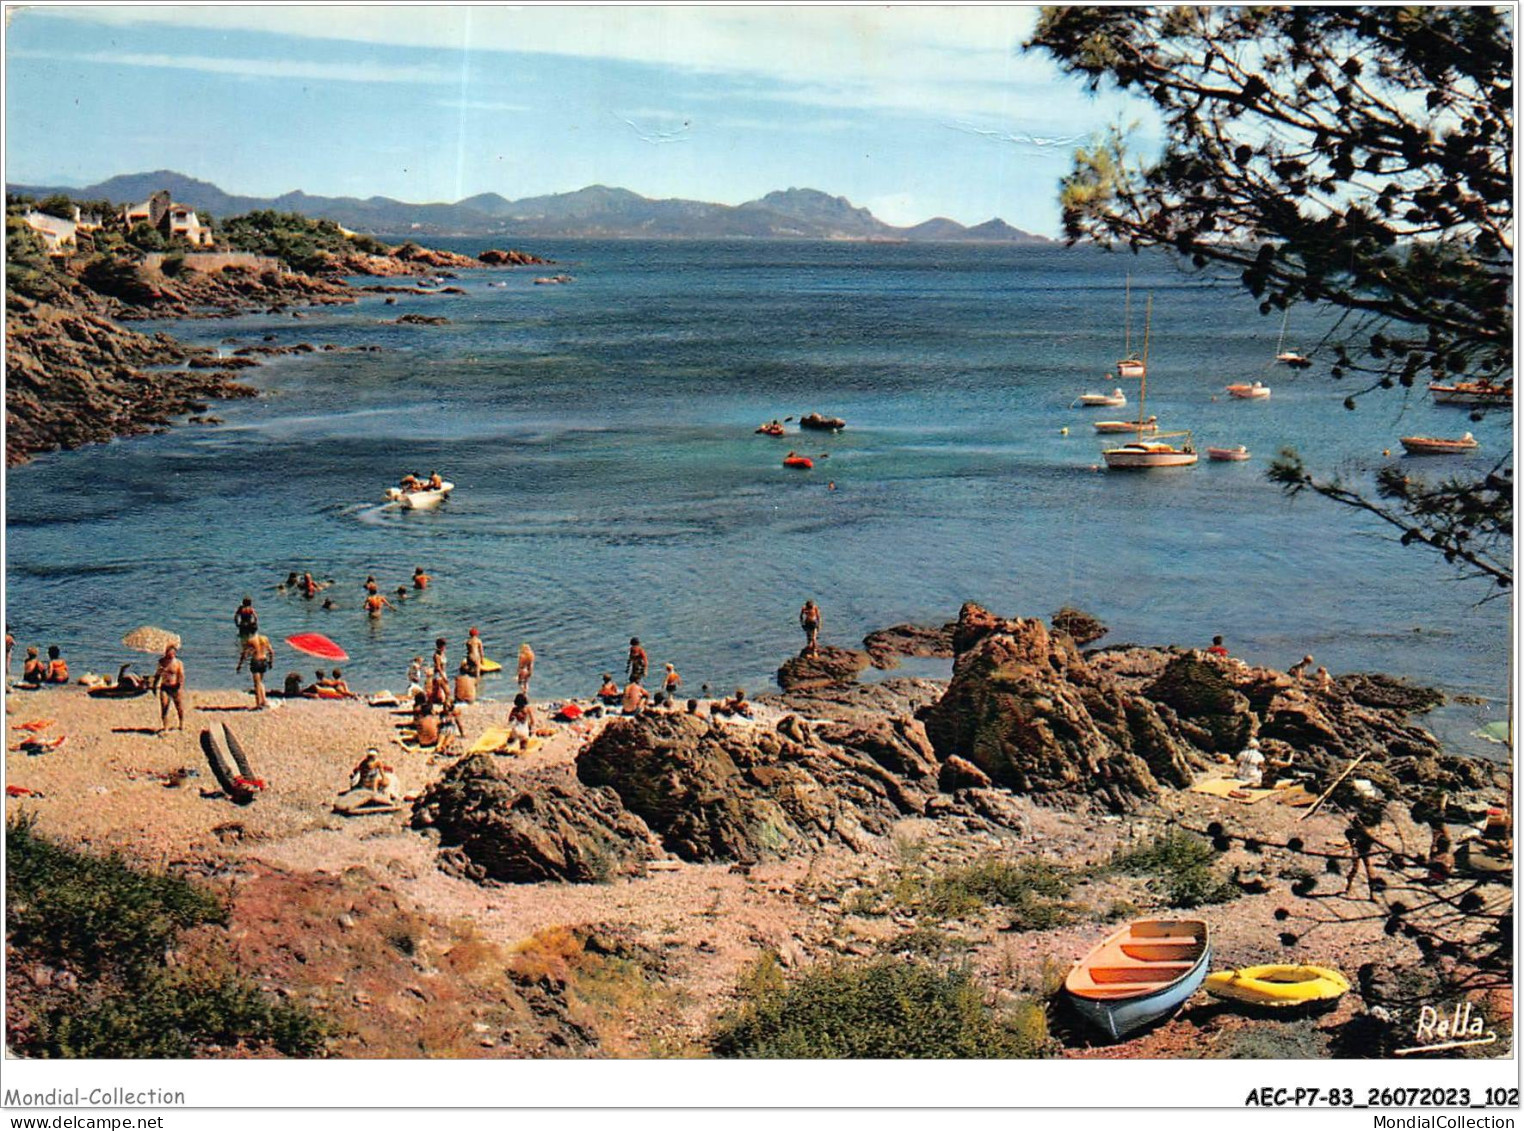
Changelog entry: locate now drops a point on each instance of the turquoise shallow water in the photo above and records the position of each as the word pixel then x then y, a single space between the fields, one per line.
pixel 610 484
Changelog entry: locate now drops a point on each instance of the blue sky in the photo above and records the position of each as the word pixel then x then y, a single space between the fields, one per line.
pixel 912 112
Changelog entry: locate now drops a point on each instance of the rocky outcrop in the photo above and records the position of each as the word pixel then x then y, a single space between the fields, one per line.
pixel 1027 710
pixel 528 828
pixel 887 645
pixel 492 257
pixel 75 376
pixel 715 792
pixel 422 320
pixel 825 667
pixel 1079 626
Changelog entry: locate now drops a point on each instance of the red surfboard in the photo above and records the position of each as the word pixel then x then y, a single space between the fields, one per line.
pixel 316 644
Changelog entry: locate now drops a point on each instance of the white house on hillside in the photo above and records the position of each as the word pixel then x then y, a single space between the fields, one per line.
pixel 171 219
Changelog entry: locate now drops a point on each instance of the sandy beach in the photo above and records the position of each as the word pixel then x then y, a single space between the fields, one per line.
pixel 702 925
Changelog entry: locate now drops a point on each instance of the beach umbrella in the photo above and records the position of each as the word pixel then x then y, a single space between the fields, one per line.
pixel 316 644
pixel 150 639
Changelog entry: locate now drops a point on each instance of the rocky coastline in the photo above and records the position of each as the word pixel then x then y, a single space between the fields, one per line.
pixel 80 373
pixel 844 822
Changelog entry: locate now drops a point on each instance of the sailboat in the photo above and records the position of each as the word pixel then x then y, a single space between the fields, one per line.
pixel 1157 451
pixel 1290 357
pixel 1131 367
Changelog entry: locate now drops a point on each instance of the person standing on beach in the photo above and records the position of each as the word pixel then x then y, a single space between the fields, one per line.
pixel 441 660
pixel 809 620
pixel 670 683
pixel 169 681
pixel 635 666
pixel 526 667
pixel 476 653
pixel 246 620
pixel 260 653
pixel 10 646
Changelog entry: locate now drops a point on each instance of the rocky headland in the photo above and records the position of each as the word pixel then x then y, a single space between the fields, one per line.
pixel 79 372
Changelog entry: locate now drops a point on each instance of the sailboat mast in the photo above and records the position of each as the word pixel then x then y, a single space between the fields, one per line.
pixel 1280 346
pixel 1127 319
pixel 1148 317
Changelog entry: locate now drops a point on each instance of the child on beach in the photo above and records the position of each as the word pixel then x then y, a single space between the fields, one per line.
pixel 416 675
pixel 521 722
pixel 670 683
pixel 58 669
pixel 32 669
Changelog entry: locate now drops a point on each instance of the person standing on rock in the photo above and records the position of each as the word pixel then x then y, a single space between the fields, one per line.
pixel 260 653
pixel 169 681
pixel 670 683
pixel 809 620
pixel 635 666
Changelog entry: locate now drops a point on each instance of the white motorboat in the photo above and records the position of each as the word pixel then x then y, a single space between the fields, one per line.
pixel 425 498
pixel 1256 391
pixel 1438 446
pixel 1228 455
pixel 1114 399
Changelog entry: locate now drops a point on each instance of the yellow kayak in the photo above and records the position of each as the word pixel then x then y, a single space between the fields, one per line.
pixel 1278 985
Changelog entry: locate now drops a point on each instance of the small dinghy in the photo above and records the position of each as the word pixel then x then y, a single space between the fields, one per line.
pixel 420 500
pixel 1438 446
pixel 1250 392
pixel 1140 426
pixel 1141 973
pixel 799 463
pixel 1114 399
pixel 1278 986
pixel 773 429
pixel 1228 455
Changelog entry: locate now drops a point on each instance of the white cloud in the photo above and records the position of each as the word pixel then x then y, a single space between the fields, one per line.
pixel 933 59
pixel 312 71
pixel 472 104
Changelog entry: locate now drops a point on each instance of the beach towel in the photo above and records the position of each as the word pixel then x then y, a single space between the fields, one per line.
pixel 491 741
pixel 35 725
pixel 364 803
pixel 384 699
pixel 1232 789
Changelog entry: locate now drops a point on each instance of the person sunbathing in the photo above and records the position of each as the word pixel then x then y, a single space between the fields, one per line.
pixel 32 669
pixel 736 705
pixel 635 698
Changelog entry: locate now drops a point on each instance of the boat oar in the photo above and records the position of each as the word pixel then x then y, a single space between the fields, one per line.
pixel 1313 808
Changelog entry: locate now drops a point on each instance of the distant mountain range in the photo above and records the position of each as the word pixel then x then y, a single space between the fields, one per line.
pixel 596 211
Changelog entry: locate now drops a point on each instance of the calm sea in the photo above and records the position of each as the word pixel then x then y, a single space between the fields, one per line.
pixel 609 483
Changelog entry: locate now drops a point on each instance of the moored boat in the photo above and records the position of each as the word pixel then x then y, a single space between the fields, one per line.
pixel 1142 454
pixel 1228 455
pixel 1131 368
pixel 1438 445
pixel 1112 426
pixel 1480 392
pixel 773 428
pixel 1249 391
pixel 799 463
pixel 1157 451
pixel 815 422
pixel 1140 974
pixel 1114 399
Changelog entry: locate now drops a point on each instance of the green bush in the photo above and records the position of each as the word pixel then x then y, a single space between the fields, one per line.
pixel 880 1009
pixel 1033 889
pixel 301 243
pixel 1181 863
pixel 111 929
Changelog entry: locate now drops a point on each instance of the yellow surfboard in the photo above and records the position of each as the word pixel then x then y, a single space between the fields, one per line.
pixel 489 666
